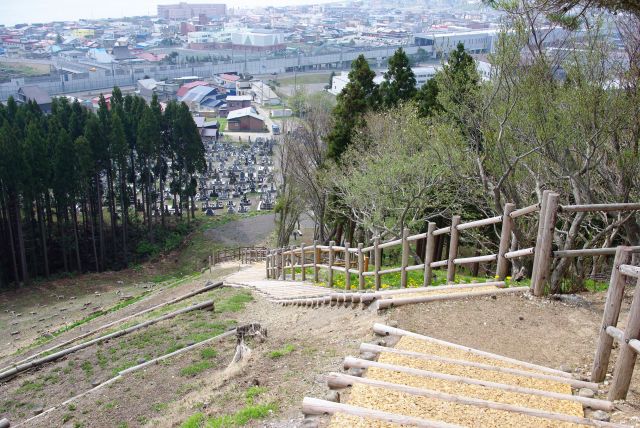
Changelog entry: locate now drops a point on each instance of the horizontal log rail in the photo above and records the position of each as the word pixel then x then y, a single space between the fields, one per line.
pixel 524 211
pixel 442 231
pixel 479 223
pixel 590 252
pixel 629 270
pixel 520 253
pixel 476 259
pixel 615 332
pixel 599 207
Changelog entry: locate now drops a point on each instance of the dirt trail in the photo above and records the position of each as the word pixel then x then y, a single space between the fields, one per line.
pixel 303 345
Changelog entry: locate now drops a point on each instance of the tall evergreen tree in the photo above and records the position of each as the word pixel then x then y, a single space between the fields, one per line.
pixel 427 98
pixel 356 98
pixel 399 81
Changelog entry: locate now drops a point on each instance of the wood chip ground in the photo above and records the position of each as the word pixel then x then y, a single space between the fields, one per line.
pixel 465 415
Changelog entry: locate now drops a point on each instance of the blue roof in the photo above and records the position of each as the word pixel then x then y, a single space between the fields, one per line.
pixel 198 93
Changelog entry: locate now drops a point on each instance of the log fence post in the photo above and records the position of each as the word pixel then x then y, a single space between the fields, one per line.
pixel 453 248
pixel 405 258
pixel 331 254
pixel 376 249
pixel 610 316
pixel 541 215
pixel 292 257
pixel 543 252
pixel 347 265
pixel 315 261
pixel 428 255
pixel 626 361
pixel 282 264
pixel 303 274
pixel 266 263
pixel 505 240
pixel 360 267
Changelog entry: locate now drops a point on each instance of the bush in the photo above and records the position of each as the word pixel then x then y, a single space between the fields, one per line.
pixel 147 249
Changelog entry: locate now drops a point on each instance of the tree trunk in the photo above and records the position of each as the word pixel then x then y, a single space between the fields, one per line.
pixel 43 235
pixel 14 259
pixel 74 217
pixel 47 204
pixel 100 220
pixel 565 262
pixel 125 214
pixel 20 237
pixel 63 236
pixel 112 210
pixel 92 220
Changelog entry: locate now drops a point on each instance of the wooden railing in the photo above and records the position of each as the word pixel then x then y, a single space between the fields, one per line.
pixel 629 339
pixel 356 260
pixel 348 260
pixel 243 254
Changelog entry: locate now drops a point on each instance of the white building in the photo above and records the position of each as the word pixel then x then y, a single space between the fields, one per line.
pixel 202 37
pixel 257 38
pixel 440 43
pixel 423 74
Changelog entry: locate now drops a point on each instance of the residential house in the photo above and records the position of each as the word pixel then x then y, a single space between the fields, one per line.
pixel 34 93
pixel 203 98
pixel 235 102
pixel 245 119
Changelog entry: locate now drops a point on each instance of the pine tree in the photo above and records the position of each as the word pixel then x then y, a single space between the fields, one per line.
pixel 399 81
pixel 357 97
pixel 427 98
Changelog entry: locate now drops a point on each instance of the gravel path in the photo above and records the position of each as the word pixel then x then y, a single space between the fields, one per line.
pixel 247 231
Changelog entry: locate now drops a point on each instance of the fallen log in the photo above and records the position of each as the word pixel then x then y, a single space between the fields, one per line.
pixel 52 357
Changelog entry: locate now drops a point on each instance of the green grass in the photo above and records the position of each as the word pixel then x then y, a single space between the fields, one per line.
pixel 305 79
pixel 102 359
pixel 194 421
pixel 243 416
pixel 87 368
pixel 288 348
pixel 251 412
pixel 208 353
pixel 160 407
pixel 253 392
pixel 196 368
pixel 234 303
pixel 392 280
pixel 30 387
